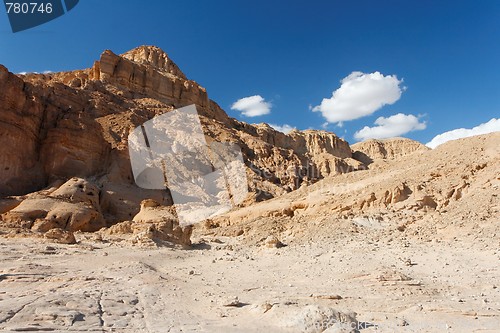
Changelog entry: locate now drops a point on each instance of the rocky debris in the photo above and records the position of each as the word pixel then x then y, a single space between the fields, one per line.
pixel 121 202
pixel 233 302
pixel 331 297
pixel 427 201
pixel 152 225
pixel 402 322
pixel 60 236
pixel 273 242
pixel 152 211
pixel 75 206
pixel 317 318
pixel 78 190
pixel 398 194
pixel 429 184
pixel 392 275
pixel 101 285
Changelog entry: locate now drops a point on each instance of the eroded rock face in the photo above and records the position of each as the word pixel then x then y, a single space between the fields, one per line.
pixel 301 157
pixel 20 122
pixel 153 224
pixel 371 150
pixel 305 142
pixel 73 207
pixel 150 73
pixel 57 126
pixel 77 123
pixel 60 236
pixel 45 135
pixel 155 57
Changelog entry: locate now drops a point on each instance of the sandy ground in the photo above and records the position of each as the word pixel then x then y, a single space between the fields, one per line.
pixel 392 283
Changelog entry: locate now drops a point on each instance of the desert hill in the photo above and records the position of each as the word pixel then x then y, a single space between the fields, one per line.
pixel 452 189
pixel 371 150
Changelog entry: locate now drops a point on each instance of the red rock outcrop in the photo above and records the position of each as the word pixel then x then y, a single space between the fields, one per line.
pixel 57 126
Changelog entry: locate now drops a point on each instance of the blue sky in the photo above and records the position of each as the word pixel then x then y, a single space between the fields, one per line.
pixel 444 54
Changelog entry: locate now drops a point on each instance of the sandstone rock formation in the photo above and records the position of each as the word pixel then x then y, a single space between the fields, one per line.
pixel 60 236
pixel 57 126
pixel 162 223
pixel 45 135
pixel 371 150
pixel 79 122
pixel 74 206
pixel 63 138
pixel 444 187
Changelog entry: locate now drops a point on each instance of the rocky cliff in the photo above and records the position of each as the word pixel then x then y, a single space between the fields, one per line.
pixel 371 150
pixel 55 127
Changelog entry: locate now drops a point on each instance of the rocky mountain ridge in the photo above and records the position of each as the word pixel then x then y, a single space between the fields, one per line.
pixel 72 127
pixel 453 190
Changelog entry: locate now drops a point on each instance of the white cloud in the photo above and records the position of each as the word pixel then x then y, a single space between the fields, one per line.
pixel 491 126
pixel 392 126
pixel 360 95
pixel 283 128
pixel 252 106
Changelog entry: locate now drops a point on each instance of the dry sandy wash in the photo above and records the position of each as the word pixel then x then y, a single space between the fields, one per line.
pixel 391 249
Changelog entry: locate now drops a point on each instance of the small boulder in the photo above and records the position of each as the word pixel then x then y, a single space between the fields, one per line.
pixel 273 242
pixel 60 236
